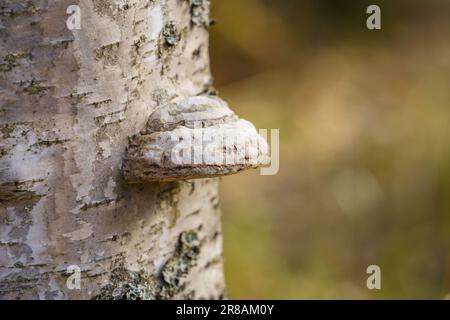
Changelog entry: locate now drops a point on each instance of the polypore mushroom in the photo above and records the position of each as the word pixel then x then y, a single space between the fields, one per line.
pixel 198 137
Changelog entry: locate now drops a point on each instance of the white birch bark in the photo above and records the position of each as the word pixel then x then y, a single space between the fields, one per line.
pixel 69 101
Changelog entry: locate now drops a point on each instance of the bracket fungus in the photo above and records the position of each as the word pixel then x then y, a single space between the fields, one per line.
pixel 194 138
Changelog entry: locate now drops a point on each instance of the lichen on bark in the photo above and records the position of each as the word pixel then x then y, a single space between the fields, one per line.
pixel 131 285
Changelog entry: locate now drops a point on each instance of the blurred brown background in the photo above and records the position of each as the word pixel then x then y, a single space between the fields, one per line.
pixel 364 119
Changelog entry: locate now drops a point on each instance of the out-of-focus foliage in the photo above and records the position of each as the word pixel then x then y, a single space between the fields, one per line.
pixel 364 118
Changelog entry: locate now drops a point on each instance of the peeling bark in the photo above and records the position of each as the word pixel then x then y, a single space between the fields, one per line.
pixel 69 101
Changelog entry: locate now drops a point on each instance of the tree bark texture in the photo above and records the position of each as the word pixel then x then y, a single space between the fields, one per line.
pixel 69 101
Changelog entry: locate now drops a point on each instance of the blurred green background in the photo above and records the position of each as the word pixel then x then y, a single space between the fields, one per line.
pixel 364 119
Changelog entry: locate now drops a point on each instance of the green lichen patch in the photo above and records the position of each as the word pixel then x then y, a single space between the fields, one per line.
pixel 33 87
pixel 8 64
pixel 131 285
pixel 20 8
pixel 10 61
pixel 14 130
pixel 200 13
pixel 171 35
pixel 7 130
pixel 128 285
pixel 179 265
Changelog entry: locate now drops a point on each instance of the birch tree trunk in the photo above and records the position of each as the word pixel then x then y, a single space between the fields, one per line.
pixel 69 100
